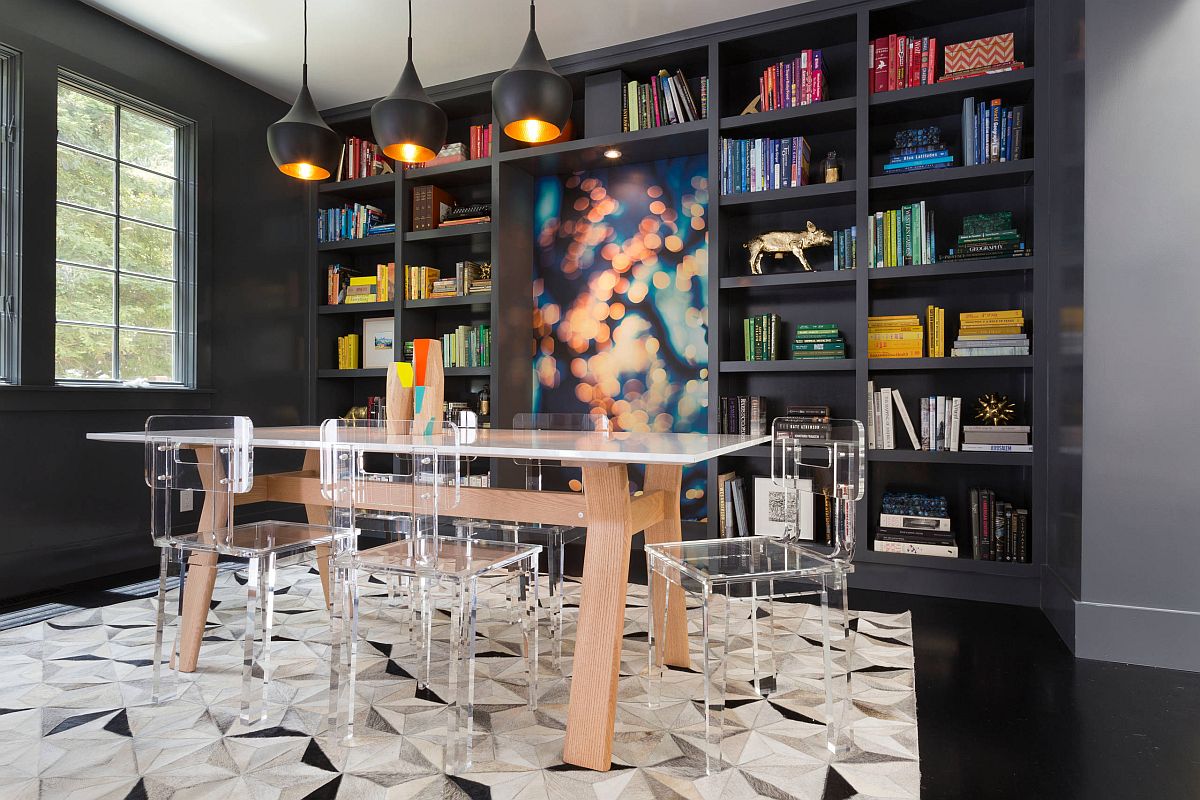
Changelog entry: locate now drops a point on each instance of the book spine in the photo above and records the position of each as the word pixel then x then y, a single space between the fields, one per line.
pixel 913 522
pixel 1018 132
pixel 889 434
pixel 871 414
pixel 915 549
pixel 924 423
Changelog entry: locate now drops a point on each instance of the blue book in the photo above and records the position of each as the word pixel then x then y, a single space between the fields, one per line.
pixel 931 162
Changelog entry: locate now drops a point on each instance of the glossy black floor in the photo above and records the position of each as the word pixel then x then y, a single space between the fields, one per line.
pixel 1004 710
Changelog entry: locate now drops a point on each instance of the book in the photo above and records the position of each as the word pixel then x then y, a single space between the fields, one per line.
pixel 998 448
pixel 915 537
pixel 737 486
pixel 908 426
pixel 871 415
pixel 915 522
pixel 885 404
pixel 755 165
pixel 662 99
pixel 909 548
pixel 723 520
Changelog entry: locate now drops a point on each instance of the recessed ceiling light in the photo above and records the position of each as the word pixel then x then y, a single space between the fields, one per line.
pixel 612 152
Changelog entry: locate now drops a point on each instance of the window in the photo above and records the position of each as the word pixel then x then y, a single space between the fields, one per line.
pixel 10 213
pixel 124 285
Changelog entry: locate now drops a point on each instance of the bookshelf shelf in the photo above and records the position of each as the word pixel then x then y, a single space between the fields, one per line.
pixel 825 115
pixel 357 308
pixel 963 179
pixel 972 362
pixel 788 279
pixel 793 199
pixel 946 98
pixel 467 372
pixel 668 141
pixel 460 173
pixel 362 188
pixel 1003 568
pixel 949 457
pixel 380 241
pixel 452 232
pixel 789 365
pixel 352 373
pixel 947 269
pixel 450 302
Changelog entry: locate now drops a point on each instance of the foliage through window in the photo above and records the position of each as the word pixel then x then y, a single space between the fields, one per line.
pixel 123 274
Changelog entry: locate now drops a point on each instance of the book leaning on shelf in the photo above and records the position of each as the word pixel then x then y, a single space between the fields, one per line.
pixel 355 221
pixel 467 346
pixel 664 99
pixel 362 159
pixel 742 415
pixel 347 351
pixel 991 133
pixel 845 248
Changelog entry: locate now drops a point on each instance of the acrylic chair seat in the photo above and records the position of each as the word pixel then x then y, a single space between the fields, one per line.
pixel 255 539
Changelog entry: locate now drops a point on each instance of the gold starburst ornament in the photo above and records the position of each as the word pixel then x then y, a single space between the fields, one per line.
pixel 994 410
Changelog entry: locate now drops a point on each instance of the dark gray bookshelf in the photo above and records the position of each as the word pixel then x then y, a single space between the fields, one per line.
pixel 853 121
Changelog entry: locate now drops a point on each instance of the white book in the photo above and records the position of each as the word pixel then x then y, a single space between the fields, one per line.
pixel 924 423
pixel 885 407
pixel 955 423
pixel 914 523
pixel 871 414
pixel 941 423
pixel 908 426
pixel 997 448
pixel 879 441
pixel 913 549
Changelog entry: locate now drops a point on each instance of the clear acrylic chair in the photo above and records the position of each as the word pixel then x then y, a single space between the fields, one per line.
pixel 423 479
pixel 552 538
pixel 730 577
pixel 213 458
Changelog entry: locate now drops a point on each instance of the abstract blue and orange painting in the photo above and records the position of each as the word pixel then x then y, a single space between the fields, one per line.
pixel 620 319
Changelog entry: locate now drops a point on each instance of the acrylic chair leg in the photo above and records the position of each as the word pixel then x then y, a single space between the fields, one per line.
pixel 457 751
pixel 350 627
pixel 250 698
pixel 839 737
pixel 160 619
pixel 831 733
pixel 715 626
pixel 556 585
pixel 656 644
pixel 336 650
pixel 530 634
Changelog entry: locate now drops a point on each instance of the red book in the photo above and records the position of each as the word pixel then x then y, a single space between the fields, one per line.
pixel 914 62
pixel 879 66
pixel 796 70
pixel 902 62
pixel 806 77
pixel 924 79
pixel 932 60
pixel 893 61
pixel 775 84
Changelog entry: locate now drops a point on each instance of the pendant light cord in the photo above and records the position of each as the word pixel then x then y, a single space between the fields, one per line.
pixel 531 14
pixel 410 30
pixel 306 42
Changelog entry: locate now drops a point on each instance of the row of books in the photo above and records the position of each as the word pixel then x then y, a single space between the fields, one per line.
pixel 991 133
pixel 935 327
pixel 760 334
pixel 361 159
pixel 347 351
pixel 992 235
pixel 819 340
pixel 664 99
pixel 991 333
pixel 804 422
pixel 430 204
pixel 480 137
pixel 339 279
pixel 467 346
pixel 895 336
pixel 999 531
pixel 755 165
pixel 899 61
pixel 902 236
pixel 351 222
pixel 426 283
pixel 939 419
pixel 745 415
pixel 789 84
pixel 845 248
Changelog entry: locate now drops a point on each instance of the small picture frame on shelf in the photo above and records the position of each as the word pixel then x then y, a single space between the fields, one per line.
pixel 378 342
pixel 775 511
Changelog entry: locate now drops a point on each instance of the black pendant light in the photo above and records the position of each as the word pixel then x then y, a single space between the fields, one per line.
pixel 531 100
pixel 407 124
pixel 301 144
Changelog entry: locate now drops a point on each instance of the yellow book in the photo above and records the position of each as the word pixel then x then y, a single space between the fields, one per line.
pixel 892 347
pixel 363 280
pixel 974 315
pixel 895 336
pixel 993 330
pixel 884 318
pixel 895 328
pixel 941 329
pixel 911 353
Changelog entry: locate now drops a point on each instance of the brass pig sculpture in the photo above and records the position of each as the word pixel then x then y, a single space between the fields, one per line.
pixel 780 242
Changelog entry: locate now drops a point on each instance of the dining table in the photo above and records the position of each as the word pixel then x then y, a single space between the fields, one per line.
pixel 606 508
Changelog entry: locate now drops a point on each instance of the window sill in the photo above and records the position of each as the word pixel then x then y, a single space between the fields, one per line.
pixel 102 398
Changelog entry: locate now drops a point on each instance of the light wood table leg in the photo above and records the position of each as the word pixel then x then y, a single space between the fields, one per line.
pixel 318 515
pixel 668 478
pixel 592 712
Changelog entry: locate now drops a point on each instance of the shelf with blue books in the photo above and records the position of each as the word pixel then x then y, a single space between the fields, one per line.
pixel 375 242
pixel 795 199
pixel 1006 174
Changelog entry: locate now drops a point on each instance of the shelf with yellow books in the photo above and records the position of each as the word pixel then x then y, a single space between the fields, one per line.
pixel 973 362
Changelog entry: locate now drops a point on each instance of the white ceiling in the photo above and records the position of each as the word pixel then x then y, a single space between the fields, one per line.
pixel 356 47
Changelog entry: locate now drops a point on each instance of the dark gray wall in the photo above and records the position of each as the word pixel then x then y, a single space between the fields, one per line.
pixel 1141 445
pixel 72 509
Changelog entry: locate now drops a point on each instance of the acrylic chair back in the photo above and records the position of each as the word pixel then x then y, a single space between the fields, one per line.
pixel 210 455
pixel 837 460
pixel 581 423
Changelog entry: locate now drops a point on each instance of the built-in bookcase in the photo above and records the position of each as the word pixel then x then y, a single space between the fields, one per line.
pixel 859 126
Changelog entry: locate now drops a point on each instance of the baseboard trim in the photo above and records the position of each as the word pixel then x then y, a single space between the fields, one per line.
pixel 1058 604
pixel 1152 637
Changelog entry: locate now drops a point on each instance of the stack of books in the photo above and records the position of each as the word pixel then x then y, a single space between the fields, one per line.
pixel 804 422
pixel 818 341
pixel 991 333
pixel 361 159
pixel 350 222
pixel 365 289
pixel 999 532
pixel 467 215
pixel 935 329
pixel 918 149
pixel 338 280
pixel 997 438
pixel 901 236
pixel 939 420
pixel 789 84
pixel 347 352
pixel 760 334
pixel 988 236
pixel 990 132
pixel 665 99
pixel 915 524
pixel 756 165
pixel 443 287
pixel 986 56
pixel 899 336
pixel 481 141
pixel 900 61
pixel 744 415
pixel 845 248
pixel 467 347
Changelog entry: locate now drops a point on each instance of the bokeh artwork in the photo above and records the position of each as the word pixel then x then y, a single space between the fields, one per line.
pixel 620 317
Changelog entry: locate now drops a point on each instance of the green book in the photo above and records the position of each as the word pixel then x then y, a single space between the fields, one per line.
pixel 815 326
pixel 826 347
pixel 816 356
pixel 816 339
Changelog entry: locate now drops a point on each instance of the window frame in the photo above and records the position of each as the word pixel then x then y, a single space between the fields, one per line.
pixel 10 215
pixel 184 233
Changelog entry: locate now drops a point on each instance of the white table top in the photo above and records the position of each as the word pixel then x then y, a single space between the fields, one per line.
pixel 619 447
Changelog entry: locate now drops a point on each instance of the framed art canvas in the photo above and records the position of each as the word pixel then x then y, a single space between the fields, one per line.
pixel 775 510
pixel 378 342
